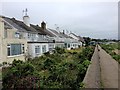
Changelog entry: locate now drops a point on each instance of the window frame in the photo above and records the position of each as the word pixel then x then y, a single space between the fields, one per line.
pixel 44 48
pixel 37 48
pixel 9 46
pixel 17 35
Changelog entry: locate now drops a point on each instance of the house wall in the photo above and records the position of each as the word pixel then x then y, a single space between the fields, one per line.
pixel 76 38
pixel 71 45
pixel 9 59
pixel 10 39
pixel 51 46
pixel 1 37
pixel 31 49
pixel 74 45
pixel 61 45
pixel 80 44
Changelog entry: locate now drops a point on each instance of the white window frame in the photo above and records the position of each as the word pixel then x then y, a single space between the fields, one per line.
pixel 43 51
pixel 9 46
pixel 37 47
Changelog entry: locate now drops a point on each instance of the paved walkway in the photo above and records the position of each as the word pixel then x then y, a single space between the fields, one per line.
pixel 109 70
pixel 103 71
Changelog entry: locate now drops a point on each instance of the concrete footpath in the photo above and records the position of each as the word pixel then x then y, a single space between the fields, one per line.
pixel 102 72
pixel 109 70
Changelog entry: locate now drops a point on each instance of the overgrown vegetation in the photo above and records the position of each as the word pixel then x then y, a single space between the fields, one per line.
pixel 62 69
pixel 110 48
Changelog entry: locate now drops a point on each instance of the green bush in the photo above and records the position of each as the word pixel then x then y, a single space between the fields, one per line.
pixel 58 70
pixel 59 50
pixel 18 75
pixel 116 57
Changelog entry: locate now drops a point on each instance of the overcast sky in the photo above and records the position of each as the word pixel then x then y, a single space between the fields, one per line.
pixel 92 19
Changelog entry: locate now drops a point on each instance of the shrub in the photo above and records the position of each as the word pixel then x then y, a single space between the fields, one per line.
pixel 18 75
pixel 59 50
pixel 58 70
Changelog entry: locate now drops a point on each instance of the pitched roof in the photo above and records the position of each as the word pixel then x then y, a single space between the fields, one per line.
pixel 13 24
pixel 79 37
pixel 7 26
pixel 74 34
pixel 65 35
pixel 36 29
pixel 39 29
pixel 56 33
pixel 23 27
pixel 19 25
pixel 45 32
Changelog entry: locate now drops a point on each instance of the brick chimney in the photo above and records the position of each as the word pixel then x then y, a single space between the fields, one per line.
pixel 63 31
pixel 43 25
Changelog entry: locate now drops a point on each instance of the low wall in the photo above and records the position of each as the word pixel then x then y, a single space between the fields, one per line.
pixel 92 77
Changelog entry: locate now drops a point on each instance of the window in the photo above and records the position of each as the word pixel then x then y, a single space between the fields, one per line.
pixel 73 44
pixel 5 33
pixel 17 35
pixel 44 48
pixel 68 45
pixel 65 45
pixel 8 50
pixel 15 49
pixel 37 49
pixel 28 35
pixel 51 47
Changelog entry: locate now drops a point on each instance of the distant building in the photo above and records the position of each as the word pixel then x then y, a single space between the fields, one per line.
pixel 92 43
pixel 78 38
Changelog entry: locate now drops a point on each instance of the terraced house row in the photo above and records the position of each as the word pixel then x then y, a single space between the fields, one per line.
pixel 22 40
